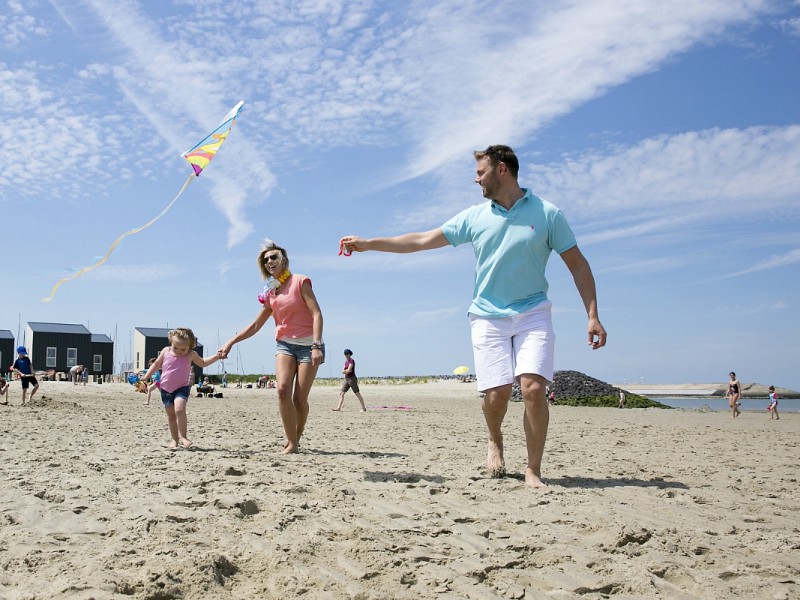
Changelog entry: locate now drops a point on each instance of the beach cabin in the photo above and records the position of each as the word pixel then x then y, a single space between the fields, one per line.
pixel 102 355
pixel 58 346
pixel 149 341
pixel 8 353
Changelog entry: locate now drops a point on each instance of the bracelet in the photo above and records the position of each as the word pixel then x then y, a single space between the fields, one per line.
pixel 316 347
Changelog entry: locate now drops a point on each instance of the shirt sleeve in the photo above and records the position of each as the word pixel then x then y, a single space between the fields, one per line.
pixel 561 236
pixel 458 229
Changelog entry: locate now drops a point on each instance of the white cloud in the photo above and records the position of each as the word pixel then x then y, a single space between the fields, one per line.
pixel 773 262
pixel 18 26
pixel 666 182
pixel 546 62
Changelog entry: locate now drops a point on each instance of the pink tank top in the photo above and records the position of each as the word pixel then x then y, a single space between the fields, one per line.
pixel 175 371
pixel 293 320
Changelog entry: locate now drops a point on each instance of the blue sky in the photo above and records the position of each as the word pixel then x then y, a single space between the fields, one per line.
pixel 669 134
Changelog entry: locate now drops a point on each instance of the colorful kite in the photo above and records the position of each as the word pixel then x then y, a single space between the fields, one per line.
pixel 199 156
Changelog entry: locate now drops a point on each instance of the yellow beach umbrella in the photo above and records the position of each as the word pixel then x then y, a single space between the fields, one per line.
pixel 462 370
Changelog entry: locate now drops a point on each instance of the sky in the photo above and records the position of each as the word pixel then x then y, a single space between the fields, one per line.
pixel 668 133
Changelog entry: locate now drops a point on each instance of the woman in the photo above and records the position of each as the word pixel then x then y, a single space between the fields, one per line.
pixel 298 332
pixel 734 393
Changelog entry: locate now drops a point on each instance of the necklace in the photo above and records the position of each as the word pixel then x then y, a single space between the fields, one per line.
pixel 273 283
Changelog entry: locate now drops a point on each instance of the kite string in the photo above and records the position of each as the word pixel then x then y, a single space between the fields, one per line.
pixel 118 241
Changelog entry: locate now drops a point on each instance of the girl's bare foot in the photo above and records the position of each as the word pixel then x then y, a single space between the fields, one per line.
pixel 173 445
pixel 186 443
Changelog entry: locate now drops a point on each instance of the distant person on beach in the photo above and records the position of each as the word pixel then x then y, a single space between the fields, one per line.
pixel 24 368
pixel 224 383
pixel 155 381
pixel 299 352
pixel 621 398
pixel 175 362
pixel 4 387
pixel 734 393
pixel 512 236
pixel 773 404
pixel 350 381
pixel 85 375
pixel 75 374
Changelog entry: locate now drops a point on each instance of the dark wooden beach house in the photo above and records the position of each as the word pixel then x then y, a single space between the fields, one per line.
pixel 102 355
pixel 8 353
pixel 149 341
pixel 58 346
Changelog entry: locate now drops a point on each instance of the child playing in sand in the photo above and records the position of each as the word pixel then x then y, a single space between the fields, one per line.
pixel 773 404
pixel 4 390
pixel 175 362
pixel 24 368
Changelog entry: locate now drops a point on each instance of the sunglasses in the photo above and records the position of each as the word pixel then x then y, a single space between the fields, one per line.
pixel 276 256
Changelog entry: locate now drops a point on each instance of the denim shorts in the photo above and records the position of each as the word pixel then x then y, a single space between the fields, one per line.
pixel 168 398
pixel 302 354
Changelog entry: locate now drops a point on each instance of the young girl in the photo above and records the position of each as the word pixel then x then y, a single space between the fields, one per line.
pixel 773 404
pixel 175 362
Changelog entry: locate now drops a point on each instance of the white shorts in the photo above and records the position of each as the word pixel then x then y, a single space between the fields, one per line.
pixel 508 347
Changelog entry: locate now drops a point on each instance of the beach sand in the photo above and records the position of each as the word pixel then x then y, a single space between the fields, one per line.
pixel 390 504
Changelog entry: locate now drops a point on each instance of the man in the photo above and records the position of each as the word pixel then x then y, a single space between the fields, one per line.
pixel 512 237
pixel 24 368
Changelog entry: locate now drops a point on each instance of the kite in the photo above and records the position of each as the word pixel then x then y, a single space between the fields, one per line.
pixel 198 156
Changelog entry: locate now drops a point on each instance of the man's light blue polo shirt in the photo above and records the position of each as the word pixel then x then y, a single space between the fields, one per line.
pixel 511 248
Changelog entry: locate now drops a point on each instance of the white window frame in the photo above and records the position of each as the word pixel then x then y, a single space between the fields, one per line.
pixel 72 357
pixel 97 363
pixel 51 357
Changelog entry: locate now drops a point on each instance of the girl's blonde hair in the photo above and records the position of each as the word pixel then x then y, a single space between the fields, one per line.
pixel 268 246
pixel 184 334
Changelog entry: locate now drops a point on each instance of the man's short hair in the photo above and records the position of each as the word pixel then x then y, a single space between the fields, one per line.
pixel 500 154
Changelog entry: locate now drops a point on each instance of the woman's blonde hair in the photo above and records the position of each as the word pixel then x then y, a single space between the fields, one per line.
pixel 268 246
pixel 184 334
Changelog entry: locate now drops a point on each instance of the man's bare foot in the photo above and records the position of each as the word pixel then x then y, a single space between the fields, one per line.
pixel 336 409
pixel 173 445
pixel 186 443
pixel 533 480
pixel 495 462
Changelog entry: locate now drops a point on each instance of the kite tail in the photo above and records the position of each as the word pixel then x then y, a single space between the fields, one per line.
pixel 117 242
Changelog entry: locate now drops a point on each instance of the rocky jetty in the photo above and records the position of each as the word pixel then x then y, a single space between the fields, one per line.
pixel 578 389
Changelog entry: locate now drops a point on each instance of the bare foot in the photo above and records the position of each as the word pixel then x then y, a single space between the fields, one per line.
pixel 336 410
pixel 186 443
pixel 145 404
pixel 173 445
pixel 533 480
pixel 495 462
pixel 290 448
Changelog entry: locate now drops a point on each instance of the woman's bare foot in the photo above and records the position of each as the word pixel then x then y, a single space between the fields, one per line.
pixel 173 445
pixel 290 448
pixel 495 462
pixel 533 480
pixel 186 443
